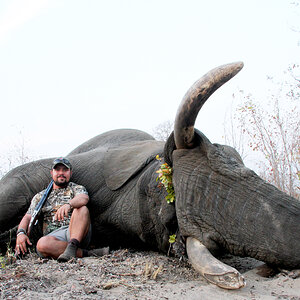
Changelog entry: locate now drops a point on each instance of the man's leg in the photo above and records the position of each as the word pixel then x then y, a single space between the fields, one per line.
pixel 78 228
pixel 79 223
pixel 50 246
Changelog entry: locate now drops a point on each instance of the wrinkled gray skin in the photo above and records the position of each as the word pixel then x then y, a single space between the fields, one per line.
pixel 219 202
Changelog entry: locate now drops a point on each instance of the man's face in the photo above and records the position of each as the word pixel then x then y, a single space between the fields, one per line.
pixel 61 175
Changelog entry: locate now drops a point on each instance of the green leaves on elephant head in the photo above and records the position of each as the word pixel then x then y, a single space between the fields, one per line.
pixel 172 238
pixel 165 174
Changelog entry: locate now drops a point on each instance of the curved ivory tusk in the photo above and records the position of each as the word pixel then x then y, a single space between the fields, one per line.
pixel 194 100
pixel 211 268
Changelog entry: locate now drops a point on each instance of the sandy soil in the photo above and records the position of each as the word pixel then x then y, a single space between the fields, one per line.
pixel 135 275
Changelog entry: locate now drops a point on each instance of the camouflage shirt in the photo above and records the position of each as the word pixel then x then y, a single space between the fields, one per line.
pixel 55 200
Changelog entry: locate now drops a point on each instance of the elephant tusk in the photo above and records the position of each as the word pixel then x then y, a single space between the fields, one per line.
pixel 211 268
pixel 194 100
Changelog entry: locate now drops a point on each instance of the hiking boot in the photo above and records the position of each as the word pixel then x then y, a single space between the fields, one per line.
pixel 68 254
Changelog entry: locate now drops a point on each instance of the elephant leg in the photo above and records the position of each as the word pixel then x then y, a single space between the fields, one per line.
pixel 211 268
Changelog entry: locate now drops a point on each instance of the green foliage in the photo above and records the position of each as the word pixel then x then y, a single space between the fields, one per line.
pixel 165 176
pixel 2 262
pixel 172 238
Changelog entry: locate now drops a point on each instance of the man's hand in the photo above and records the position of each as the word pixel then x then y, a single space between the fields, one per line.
pixel 21 242
pixel 62 212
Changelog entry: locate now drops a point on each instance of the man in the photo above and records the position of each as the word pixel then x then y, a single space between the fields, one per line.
pixel 66 219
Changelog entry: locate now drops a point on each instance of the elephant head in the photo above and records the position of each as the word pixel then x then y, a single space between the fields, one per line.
pixel 221 204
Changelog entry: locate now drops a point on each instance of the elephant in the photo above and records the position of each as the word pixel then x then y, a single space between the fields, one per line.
pixel 220 206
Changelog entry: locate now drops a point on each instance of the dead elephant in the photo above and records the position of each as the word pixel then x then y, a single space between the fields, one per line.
pixel 220 204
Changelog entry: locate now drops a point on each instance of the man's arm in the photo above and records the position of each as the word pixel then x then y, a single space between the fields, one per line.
pixel 78 201
pixel 22 238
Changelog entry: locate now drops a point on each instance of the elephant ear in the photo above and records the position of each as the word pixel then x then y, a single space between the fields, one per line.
pixel 124 162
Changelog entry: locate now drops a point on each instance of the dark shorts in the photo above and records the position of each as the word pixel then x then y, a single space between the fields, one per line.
pixel 63 234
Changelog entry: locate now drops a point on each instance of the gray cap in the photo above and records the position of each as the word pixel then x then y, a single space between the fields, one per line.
pixel 63 161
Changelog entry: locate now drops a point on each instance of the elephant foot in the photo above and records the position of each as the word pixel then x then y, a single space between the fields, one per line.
pixel 211 268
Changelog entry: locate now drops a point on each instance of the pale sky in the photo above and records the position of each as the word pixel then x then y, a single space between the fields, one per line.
pixel 71 69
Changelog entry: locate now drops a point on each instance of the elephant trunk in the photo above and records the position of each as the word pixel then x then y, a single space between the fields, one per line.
pixel 237 211
pixel 17 189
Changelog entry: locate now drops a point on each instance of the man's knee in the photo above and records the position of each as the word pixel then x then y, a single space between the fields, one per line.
pixel 43 244
pixel 82 211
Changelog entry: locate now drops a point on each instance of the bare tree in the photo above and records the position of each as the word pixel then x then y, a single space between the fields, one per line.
pixel 293 24
pixel 274 131
pixel 233 130
pixel 16 156
pixel 163 130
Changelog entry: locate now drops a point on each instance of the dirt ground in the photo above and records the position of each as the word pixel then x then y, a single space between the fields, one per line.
pixel 126 274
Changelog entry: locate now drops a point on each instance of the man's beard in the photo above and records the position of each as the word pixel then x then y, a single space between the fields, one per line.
pixel 62 184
